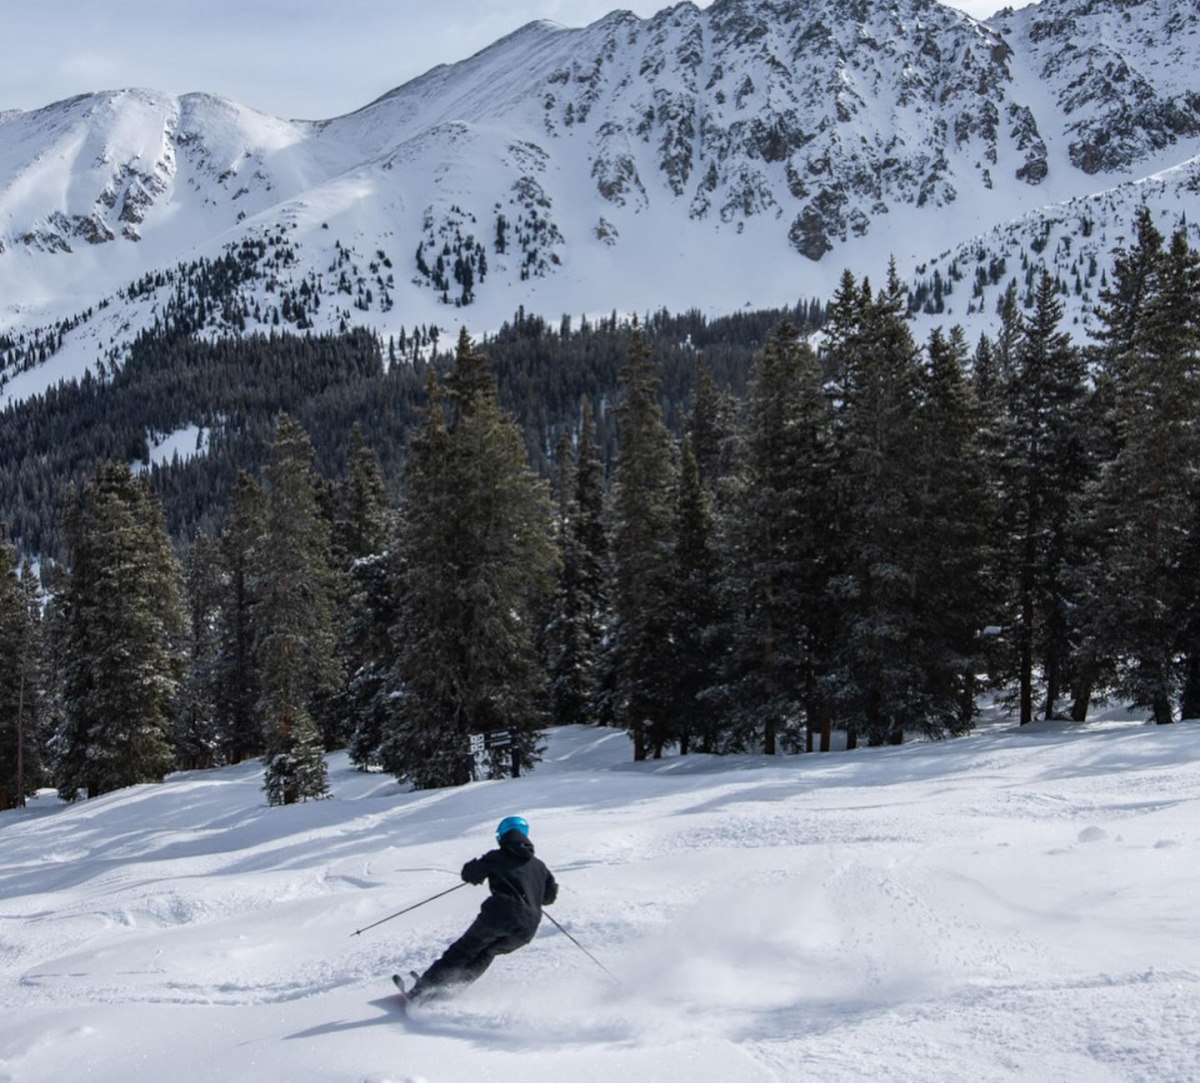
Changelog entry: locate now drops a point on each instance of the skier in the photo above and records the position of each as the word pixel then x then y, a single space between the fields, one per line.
pixel 521 885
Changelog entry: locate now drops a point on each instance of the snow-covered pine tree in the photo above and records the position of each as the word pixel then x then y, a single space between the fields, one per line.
pixel 637 651
pixel 477 560
pixel 293 622
pixel 122 620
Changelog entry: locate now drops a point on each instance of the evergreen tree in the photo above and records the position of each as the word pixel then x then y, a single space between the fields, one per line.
pixel 477 560
pixel 781 563
pixel 21 766
pixel 696 613
pixel 954 592
pixel 879 684
pixel 197 738
pixel 711 429
pixel 366 526
pixel 294 622
pixel 642 560
pixel 1147 493
pixel 236 669
pixel 122 620
pixel 1045 469
pixel 576 629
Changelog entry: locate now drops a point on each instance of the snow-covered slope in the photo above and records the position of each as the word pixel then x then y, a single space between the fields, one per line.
pixel 744 154
pixel 1007 906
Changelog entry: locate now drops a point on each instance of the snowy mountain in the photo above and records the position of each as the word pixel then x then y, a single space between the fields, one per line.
pixel 1008 906
pixel 743 154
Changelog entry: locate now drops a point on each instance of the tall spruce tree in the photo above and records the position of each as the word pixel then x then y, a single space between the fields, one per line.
pixel 696 612
pixel 1044 472
pixel 197 736
pixel 122 623
pixel 367 526
pixel 638 648
pixel 879 684
pixel 576 628
pixel 294 622
pixel 954 592
pixel 782 551
pixel 21 765
pixel 236 668
pixel 477 559
pixel 1147 492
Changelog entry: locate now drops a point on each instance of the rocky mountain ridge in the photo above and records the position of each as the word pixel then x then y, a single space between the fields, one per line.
pixel 740 154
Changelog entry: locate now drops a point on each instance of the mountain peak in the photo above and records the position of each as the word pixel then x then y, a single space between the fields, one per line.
pixel 614 165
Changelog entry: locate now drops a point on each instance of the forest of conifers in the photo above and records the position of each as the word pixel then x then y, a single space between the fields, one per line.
pixel 720 535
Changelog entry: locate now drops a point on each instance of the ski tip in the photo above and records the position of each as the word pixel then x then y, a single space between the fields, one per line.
pixel 399 983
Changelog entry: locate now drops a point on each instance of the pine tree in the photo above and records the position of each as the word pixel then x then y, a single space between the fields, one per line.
pixel 696 613
pixel 197 738
pixel 21 767
pixel 1147 492
pixel 576 628
pixel 477 560
pixel 954 590
pixel 879 685
pixel 1044 471
pixel 293 622
pixel 782 547
pixel 367 525
pixel 642 559
pixel 711 429
pixel 122 621
pixel 237 675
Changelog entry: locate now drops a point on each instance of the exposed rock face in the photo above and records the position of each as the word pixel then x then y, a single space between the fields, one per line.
pixel 807 124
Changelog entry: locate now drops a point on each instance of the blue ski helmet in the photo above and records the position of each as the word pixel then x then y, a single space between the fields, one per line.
pixel 512 823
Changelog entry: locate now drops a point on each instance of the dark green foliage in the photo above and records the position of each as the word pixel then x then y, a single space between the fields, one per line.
pixel 697 616
pixel 365 527
pixel 22 715
pixel 476 560
pixel 1043 473
pixel 782 545
pixel 575 632
pixel 1146 497
pixel 122 621
pixel 638 653
pixel 955 598
pixel 197 736
pixel 879 685
pixel 236 676
pixel 294 622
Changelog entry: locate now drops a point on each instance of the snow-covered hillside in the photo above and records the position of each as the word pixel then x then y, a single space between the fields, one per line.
pixel 740 155
pixel 1007 906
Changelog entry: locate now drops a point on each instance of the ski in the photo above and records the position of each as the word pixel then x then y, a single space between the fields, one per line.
pixel 402 993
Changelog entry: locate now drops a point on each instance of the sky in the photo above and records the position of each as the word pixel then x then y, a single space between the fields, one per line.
pixel 299 59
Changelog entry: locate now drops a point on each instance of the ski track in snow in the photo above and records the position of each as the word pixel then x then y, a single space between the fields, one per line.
pixel 1008 906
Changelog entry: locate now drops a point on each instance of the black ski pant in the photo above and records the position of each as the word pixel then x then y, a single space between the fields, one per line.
pixel 470 955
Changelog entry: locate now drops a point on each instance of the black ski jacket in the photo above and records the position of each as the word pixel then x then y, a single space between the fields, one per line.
pixel 520 883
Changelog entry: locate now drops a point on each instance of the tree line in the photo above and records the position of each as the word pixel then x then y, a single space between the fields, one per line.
pixel 862 538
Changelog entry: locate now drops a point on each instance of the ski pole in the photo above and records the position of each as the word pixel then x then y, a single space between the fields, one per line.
pixel 585 951
pixel 408 908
